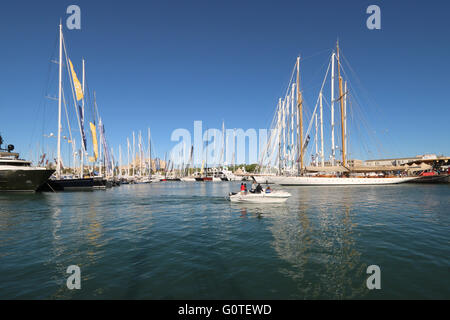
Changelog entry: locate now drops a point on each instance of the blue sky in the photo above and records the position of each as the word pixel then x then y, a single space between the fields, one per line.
pixel 164 64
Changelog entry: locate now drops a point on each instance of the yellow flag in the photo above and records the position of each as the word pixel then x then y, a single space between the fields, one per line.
pixel 76 83
pixel 94 139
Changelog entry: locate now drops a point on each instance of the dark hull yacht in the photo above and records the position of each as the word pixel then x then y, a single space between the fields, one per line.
pixel 19 175
pixel 86 184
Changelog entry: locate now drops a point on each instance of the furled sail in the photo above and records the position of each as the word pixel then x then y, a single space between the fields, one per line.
pixel 80 110
pixel 76 83
pixel 94 140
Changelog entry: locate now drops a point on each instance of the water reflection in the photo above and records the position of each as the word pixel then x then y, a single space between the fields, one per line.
pixel 181 240
pixel 317 240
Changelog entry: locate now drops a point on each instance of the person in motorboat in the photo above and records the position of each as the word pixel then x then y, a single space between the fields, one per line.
pixel 258 188
pixel 253 189
pixel 268 190
pixel 243 188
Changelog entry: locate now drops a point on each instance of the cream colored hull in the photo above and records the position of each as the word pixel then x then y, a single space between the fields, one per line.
pixel 265 179
pixel 335 181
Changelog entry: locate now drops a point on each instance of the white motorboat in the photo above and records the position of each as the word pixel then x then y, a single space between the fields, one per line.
pixel 248 197
pixel 188 179
pixel 142 180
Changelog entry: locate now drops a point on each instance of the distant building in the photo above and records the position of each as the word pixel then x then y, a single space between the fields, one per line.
pixel 156 164
pixel 354 162
pixel 398 161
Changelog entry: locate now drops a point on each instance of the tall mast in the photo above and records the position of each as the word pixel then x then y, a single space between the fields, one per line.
pixel 101 147
pixel 341 96
pixel 223 144
pixel 140 153
pixel 113 165
pixel 183 165
pixel 300 111
pixel 234 149
pixel 82 141
pixel 149 153
pixel 279 136
pixel 321 131
pixel 74 148
pixel 134 154
pixel 207 145
pixel 291 156
pixel 332 111
pixel 128 157
pixel 283 123
pixel 191 160
pixel 120 160
pixel 58 159
pixel 317 145
pixel 345 117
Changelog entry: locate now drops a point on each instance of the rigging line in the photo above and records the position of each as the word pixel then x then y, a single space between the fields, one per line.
pixel 317 103
pixel 372 100
pixel 359 81
pixel 363 141
pixel 272 126
pixel 356 111
pixel 290 81
pixel 96 108
pixel 89 101
pixel 67 117
pixel 316 73
pixel 42 102
pixel 318 53
pixel 376 139
pixel 72 86
pixel 366 123
pixel 273 138
pixel 324 98
pixel 369 129
pixel 86 96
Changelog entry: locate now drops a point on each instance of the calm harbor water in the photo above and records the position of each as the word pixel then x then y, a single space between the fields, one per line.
pixel 178 240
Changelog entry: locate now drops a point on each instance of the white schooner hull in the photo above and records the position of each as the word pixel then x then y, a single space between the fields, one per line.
pixel 267 179
pixel 337 181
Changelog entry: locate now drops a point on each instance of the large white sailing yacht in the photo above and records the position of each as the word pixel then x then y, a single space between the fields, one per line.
pixel 289 131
